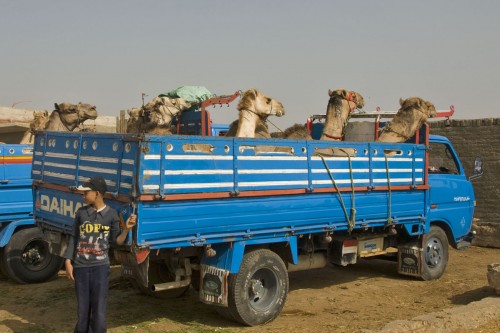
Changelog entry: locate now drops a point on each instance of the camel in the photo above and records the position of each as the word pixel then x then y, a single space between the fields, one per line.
pixel 411 116
pixel 254 108
pixel 135 120
pixel 66 117
pixel 156 116
pixel 39 122
pixel 340 106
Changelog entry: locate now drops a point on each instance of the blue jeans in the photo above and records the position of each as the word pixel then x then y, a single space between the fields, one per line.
pixel 91 284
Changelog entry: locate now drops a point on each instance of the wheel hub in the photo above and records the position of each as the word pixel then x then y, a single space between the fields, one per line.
pixel 433 253
pixel 32 256
pixel 257 288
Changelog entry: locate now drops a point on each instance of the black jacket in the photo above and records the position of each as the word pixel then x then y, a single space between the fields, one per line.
pixel 93 233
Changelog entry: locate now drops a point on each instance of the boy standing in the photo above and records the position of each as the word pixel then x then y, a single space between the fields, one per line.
pixel 96 227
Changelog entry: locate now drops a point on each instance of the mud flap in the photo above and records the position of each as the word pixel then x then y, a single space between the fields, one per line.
pixel 344 252
pixel 410 260
pixel 214 285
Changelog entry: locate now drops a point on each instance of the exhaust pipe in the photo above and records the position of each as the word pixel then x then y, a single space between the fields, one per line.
pixel 316 260
pixel 171 285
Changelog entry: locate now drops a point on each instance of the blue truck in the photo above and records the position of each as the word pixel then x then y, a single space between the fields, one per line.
pixel 232 216
pixel 24 255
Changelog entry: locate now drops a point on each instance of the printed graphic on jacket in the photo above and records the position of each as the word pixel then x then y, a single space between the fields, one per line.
pixel 93 241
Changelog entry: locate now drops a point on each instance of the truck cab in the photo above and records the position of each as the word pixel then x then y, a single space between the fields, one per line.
pixel 449 206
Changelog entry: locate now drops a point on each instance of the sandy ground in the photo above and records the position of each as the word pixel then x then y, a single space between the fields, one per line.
pixel 367 297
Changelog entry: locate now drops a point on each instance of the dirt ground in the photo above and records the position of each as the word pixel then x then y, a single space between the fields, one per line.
pixel 366 297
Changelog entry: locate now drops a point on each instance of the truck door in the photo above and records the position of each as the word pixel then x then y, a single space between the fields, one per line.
pixel 451 193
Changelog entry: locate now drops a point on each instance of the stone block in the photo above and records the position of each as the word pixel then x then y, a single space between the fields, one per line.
pixel 494 276
pixel 487 234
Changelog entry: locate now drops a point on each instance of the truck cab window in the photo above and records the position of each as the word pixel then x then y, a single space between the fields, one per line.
pixel 441 159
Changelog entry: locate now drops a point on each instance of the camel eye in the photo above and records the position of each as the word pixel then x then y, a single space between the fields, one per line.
pixel 268 101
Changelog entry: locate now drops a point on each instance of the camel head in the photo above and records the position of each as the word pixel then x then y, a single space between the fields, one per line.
pixel 427 108
pixel 349 96
pixel 413 113
pixel 161 111
pixel 72 115
pixel 40 119
pixel 340 106
pixel 258 103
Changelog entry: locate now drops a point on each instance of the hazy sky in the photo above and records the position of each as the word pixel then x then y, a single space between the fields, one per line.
pixel 108 52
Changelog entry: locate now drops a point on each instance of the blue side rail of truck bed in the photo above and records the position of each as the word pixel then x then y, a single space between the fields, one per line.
pixel 239 188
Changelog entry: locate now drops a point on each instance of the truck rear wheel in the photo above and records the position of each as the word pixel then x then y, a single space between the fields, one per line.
pixel 26 258
pixel 435 254
pixel 257 293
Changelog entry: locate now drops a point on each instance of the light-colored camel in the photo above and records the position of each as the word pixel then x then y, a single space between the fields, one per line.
pixel 413 113
pixel 66 117
pixel 156 116
pixel 340 106
pixel 254 108
pixel 39 122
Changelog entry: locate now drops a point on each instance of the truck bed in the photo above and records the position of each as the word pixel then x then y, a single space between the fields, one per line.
pixel 191 190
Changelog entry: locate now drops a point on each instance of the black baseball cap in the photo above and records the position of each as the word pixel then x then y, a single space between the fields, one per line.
pixel 96 183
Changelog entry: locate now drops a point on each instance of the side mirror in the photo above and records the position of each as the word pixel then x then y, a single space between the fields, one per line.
pixel 478 168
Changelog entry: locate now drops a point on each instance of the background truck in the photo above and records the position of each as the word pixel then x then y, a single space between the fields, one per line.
pixel 232 217
pixel 24 255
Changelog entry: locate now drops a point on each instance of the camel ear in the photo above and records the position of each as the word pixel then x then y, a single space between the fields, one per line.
pixel 330 92
pixel 45 113
pixel 56 106
pixel 343 93
pixel 401 101
pixel 252 93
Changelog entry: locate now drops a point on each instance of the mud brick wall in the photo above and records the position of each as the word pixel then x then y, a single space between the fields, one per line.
pixel 472 138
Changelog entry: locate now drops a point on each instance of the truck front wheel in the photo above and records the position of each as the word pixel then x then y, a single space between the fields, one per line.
pixel 26 258
pixel 257 293
pixel 435 254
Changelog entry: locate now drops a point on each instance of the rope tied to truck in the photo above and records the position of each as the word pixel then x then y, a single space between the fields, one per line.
pixel 351 220
pixel 389 204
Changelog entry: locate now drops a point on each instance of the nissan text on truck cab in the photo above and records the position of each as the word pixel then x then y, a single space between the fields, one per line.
pixel 232 216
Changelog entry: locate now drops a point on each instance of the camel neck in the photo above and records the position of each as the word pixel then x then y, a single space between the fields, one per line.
pixel 247 124
pixel 336 119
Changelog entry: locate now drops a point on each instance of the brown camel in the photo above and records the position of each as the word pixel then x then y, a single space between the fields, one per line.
pixel 39 122
pixel 297 132
pixel 66 117
pixel 156 116
pixel 340 106
pixel 411 116
pixel 135 120
pixel 254 108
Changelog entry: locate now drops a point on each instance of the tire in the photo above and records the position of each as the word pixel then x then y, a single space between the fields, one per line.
pixel 158 273
pixel 3 274
pixel 434 254
pixel 257 293
pixel 26 258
